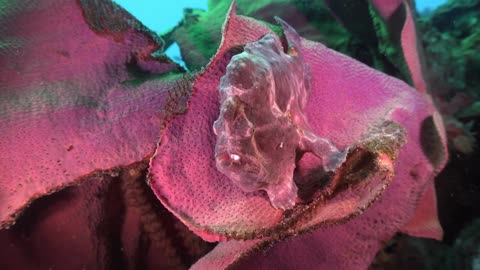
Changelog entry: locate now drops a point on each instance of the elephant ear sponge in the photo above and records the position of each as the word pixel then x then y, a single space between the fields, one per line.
pixel 357 108
pixel 262 126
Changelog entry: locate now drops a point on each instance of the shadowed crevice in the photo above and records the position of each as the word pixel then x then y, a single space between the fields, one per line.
pixel 431 142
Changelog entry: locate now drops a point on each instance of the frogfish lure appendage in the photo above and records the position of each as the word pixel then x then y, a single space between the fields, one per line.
pixel 262 126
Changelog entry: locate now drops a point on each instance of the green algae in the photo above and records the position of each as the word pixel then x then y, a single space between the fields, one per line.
pixel 199 33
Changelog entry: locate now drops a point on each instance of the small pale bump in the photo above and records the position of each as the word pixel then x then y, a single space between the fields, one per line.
pixel 235 157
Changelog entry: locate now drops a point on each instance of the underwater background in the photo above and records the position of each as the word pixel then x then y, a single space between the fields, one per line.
pixel 148 12
pixel 186 36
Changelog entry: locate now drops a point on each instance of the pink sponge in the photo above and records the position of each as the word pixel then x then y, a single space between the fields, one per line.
pixel 350 104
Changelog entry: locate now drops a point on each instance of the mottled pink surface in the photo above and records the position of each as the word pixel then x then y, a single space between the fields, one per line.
pixel 190 185
pixel 425 221
pixel 63 119
pixel 64 111
pixel 226 253
pixel 387 7
pixel 348 100
pixel 411 49
pixel 354 244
